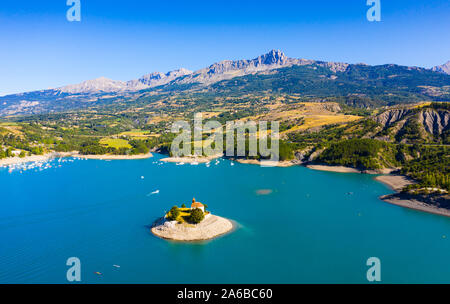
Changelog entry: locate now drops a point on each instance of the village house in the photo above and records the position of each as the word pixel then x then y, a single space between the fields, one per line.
pixel 197 205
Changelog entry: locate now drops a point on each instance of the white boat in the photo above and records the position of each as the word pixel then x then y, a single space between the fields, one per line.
pixel 155 192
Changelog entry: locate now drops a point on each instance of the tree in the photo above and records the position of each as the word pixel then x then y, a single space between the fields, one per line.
pixel 37 150
pixel 183 206
pixel 22 154
pixel 9 152
pixel 173 213
pixel 197 216
pixel 139 147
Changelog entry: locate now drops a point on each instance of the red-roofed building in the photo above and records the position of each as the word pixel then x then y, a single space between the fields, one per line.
pixel 197 205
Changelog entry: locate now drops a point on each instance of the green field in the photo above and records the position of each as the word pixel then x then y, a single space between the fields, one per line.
pixel 9 124
pixel 115 143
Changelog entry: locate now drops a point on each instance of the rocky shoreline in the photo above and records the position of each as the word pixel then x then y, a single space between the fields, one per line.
pixel 33 158
pixel 338 169
pixel 211 227
pixel 114 157
pixel 46 157
pixel 190 160
pixel 432 203
pixel 343 169
pixel 395 182
pixel 266 163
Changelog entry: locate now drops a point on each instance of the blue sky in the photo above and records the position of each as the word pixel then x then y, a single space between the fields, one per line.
pixel 123 40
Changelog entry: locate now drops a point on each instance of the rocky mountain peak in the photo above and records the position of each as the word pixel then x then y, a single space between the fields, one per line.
pixel 101 84
pixel 157 78
pixel 223 69
pixel 445 68
pixel 273 57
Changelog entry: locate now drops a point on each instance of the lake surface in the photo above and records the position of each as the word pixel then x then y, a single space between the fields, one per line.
pixel 304 227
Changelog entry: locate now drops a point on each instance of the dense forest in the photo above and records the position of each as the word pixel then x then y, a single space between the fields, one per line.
pixel 362 154
pixel 431 167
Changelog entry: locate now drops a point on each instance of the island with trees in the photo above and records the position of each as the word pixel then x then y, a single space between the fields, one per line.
pixel 191 224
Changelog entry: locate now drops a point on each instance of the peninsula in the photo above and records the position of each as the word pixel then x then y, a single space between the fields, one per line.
pixel 191 159
pixel 191 224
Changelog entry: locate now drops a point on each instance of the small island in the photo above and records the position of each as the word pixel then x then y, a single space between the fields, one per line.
pixel 190 224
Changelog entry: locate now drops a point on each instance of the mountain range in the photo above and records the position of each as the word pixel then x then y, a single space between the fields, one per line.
pixel 273 73
pixel 222 70
pixel 226 69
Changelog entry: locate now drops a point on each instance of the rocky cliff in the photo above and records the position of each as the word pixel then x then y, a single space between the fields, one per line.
pixel 434 121
pixel 390 117
pixel 424 122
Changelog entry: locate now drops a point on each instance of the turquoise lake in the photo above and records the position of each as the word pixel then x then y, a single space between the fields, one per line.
pixel 313 227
